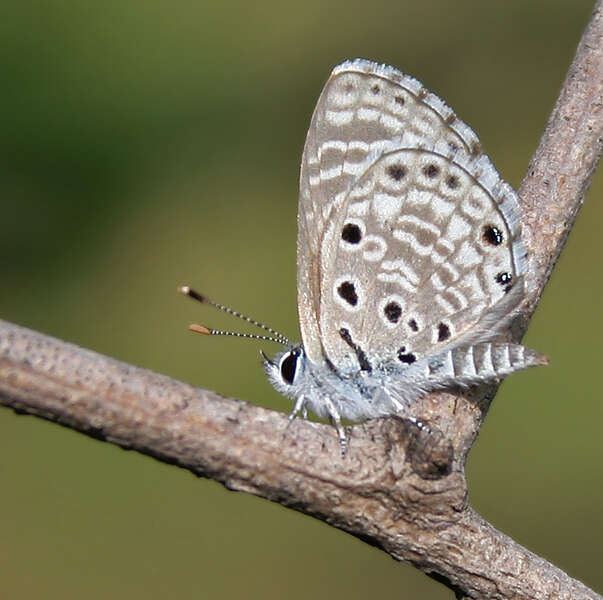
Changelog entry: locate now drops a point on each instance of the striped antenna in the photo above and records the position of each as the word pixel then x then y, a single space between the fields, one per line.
pixel 275 336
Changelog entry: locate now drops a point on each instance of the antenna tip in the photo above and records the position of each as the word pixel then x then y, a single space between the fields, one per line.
pixel 199 329
pixel 187 291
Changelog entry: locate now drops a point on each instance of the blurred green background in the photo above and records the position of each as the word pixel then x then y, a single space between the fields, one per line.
pixel 148 144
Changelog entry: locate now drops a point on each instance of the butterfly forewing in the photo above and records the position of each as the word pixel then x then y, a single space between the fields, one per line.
pixel 407 235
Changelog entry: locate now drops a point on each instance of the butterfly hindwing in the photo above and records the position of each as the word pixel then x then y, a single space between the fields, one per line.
pixel 425 252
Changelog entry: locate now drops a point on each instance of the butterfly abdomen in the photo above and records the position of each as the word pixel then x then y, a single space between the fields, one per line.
pixel 485 362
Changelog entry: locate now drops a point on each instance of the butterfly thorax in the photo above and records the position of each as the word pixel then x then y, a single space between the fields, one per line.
pixel 320 387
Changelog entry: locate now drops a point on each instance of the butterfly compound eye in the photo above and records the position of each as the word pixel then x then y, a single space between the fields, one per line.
pixel 289 366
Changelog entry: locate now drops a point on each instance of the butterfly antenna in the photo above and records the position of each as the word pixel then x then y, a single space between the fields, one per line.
pixel 274 337
pixel 250 336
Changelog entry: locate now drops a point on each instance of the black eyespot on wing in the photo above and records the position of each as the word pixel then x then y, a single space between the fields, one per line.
pixel 413 325
pixel 392 311
pixel 406 357
pixel 347 291
pixel 452 181
pixel 397 171
pixel 492 235
pixel 505 279
pixel 375 89
pixel 443 332
pixel 431 171
pixel 351 233
pixel 399 100
pixel 288 366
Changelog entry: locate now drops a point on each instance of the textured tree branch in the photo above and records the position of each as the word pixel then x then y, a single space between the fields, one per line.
pixel 563 165
pixel 396 489
pixel 399 488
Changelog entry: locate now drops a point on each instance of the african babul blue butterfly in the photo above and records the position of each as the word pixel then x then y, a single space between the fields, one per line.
pixel 410 260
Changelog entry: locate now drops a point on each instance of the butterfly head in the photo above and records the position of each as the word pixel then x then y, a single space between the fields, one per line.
pixel 286 371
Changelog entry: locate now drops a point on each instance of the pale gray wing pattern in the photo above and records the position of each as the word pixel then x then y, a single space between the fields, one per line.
pixel 436 248
pixel 365 111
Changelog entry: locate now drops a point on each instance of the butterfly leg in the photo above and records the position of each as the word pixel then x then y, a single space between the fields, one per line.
pixel 401 408
pixel 335 418
pixel 300 407
pixel 419 424
pixel 398 406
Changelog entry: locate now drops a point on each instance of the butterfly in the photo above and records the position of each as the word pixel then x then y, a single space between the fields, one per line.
pixel 410 260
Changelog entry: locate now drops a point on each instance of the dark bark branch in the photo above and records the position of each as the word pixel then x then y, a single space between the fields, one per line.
pixel 415 509
pixel 563 165
pixel 398 488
